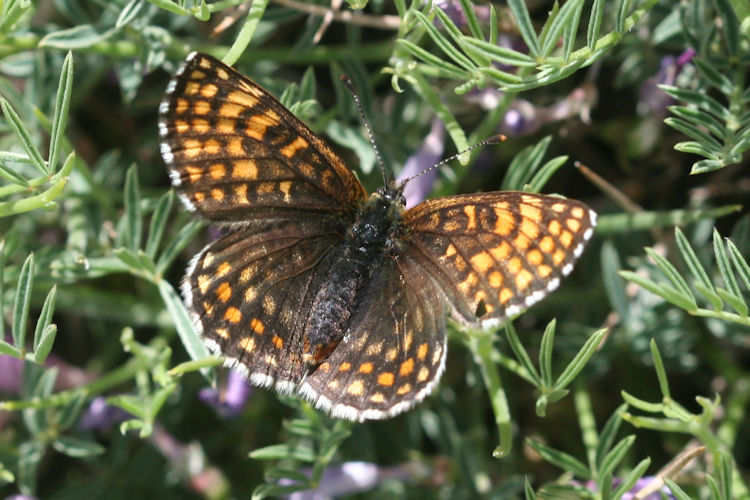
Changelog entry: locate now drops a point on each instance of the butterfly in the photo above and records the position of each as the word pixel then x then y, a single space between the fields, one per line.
pixel 317 288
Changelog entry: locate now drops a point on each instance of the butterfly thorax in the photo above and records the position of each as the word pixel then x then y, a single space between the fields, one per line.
pixel 370 239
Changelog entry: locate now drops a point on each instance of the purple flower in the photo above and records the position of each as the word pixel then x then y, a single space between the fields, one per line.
pixel 21 497
pixel 354 477
pixel 651 486
pixel 428 155
pixel 100 416
pixel 11 371
pixel 231 399
pixel 652 98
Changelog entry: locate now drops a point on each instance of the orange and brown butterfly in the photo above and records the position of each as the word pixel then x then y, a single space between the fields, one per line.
pixel 317 288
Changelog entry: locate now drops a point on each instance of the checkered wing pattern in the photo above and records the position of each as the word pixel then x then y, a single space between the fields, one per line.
pixel 249 293
pixel 394 352
pixel 496 254
pixel 234 153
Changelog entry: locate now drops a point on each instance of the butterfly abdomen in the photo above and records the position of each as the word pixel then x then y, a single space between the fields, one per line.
pixel 366 243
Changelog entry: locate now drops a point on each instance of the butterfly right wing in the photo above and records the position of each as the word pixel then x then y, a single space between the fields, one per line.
pixel 234 153
pixel 249 295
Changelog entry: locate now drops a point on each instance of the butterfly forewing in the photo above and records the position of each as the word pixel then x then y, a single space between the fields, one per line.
pixel 495 254
pixel 235 153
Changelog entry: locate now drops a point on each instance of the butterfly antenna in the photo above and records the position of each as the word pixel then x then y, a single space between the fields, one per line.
pixel 350 86
pixel 490 140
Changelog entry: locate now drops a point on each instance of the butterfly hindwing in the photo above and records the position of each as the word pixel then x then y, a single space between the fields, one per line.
pixel 250 294
pixel 235 153
pixel 394 351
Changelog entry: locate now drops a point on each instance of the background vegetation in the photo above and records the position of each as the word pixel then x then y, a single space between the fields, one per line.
pixel 635 374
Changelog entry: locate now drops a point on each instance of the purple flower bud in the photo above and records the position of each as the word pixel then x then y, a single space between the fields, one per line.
pixel 100 416
pixel 230 400
pixel 354 477
pixel 428 155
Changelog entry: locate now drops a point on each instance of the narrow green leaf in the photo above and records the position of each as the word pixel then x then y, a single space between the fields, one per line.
pixel 2 288
pixel 442 42
pixel 45 316
pixel 131 404
pixel 678 492
pixel 521 355
pixel 570 32
pixel 740 264
pixel 568 16
pixel 22 302
pixel 471 19
pixel 666 292
pixel 714 77
pixel 45 199
pixel 130 259
pixel 661 373
pixel 170 6
pixel 595 24
pixel 614 287
pixel 581 358
pixel 622 15
pixel 77 448
pixel 560 459
pixel 523 166
pixel 498 54
pixel 616 455
pixel 699 99
pixel 60 116
pixel 129 13
pixel 24 137
pixel 10 350
pixel 173 249
pixel 696 269
pixel 631 477
pixel 185 330
pixel 523 21
pixel 159 223
pixel 133 210
pixel 432 60
pixel 725 269
pixel 68 417
pixel 691 130
pixel 699 118
pixel 9 173
pixel 608 435
pixel 46 340
pixel 76 38
pixel 671 273
pixel 543 174
pixel 545 353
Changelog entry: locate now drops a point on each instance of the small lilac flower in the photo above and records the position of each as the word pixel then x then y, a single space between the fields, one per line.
pixel 21 497
pixel 11 371
pixel 229 401
pixel 355 477
pixel 652 98
pixel 100 416
pixel 426 156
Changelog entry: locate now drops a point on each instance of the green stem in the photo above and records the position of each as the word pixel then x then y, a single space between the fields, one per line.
pixel 480 344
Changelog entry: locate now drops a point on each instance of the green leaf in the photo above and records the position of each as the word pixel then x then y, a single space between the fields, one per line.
pixel 523 21
pixel 77 448
pixel 696 269
pixel 581 358
pixel 10 350
pixel 45 318
pixel 46 340
pixel 545 354
pixel 630 479
pixel 595 24
pixel 734 295
pixel 188 336
pixel 133 216
pixel 22 302
pixel 612 459
pixel 24 137
pixel 568 16
pixel 521 355
pixel 560 459
pixel 661 373
pixel 76 38
pixel 672 274
pixel 608 435
pixel 173 249
pixel 62 106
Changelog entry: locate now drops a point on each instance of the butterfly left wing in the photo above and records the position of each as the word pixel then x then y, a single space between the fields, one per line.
pixel 236 154
pixel 393 353
pixel 496 254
